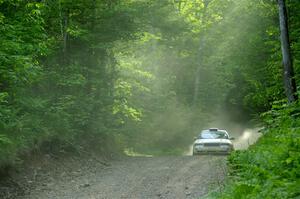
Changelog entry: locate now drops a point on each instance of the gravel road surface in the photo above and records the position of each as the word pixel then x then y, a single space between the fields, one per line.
pixel 130 177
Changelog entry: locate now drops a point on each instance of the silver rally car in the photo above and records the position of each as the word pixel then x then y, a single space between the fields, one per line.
pixel 214 141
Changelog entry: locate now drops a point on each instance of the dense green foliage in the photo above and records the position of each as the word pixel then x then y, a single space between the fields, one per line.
pixel 144 76
pixel 89 73
pixel 19 69
pixel 270 168
pixel 58 76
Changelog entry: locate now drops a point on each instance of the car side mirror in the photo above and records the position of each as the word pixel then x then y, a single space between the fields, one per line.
pixel 231 138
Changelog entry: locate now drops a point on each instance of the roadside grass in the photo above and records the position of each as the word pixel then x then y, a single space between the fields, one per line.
pixel 271 167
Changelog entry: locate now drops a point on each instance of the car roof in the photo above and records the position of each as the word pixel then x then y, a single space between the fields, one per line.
pixel 214 130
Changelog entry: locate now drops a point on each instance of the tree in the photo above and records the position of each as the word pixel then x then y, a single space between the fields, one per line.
pixel 201 52
pixel 289 80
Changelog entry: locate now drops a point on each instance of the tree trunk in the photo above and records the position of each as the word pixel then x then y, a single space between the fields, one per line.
pixel 289 80
pixel 65 34
pixel 200 56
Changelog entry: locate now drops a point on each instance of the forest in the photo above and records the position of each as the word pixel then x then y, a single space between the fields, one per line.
pixel 144 76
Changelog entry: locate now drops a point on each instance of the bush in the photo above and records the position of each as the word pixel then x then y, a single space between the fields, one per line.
pixel 271 167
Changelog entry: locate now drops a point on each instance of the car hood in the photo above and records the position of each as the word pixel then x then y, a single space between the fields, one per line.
pixel 202 141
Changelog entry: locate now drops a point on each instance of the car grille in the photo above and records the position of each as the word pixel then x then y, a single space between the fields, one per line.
pixel 215 144
pixel 211 144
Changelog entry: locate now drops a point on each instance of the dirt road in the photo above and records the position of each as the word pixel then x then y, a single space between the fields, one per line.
pixel 130 177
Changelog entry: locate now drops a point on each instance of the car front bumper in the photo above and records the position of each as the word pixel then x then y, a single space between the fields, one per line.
pixel 211 153
pixel 212 150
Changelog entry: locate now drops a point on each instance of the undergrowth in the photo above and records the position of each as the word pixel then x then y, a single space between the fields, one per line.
pixel 271 167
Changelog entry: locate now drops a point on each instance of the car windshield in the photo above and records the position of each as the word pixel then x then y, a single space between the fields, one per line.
pixel 213 135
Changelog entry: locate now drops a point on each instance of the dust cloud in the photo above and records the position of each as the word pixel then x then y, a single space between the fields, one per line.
pixel 245 135
pixel 247 138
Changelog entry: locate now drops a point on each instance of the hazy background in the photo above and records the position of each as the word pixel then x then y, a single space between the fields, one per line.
pixel 134 75
pixel 195 64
